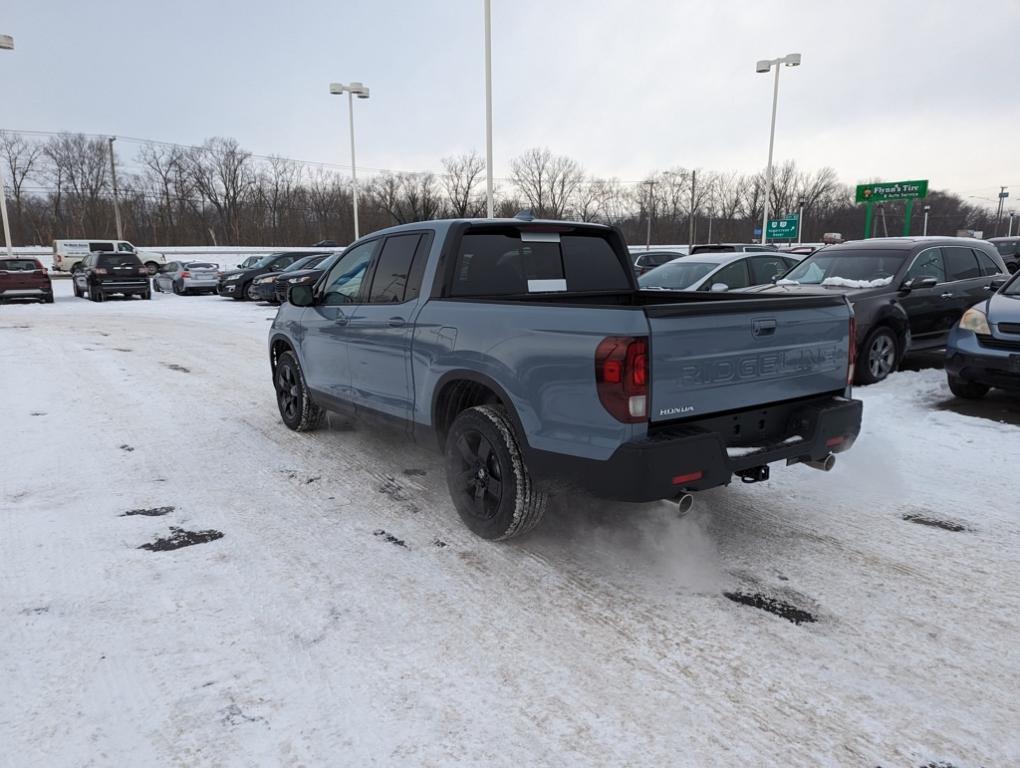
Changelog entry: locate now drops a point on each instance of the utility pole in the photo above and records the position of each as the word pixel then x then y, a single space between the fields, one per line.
pixel 651 204
pixel 113 177
pixel 690 227
pixel 800 221
pixel 1003 194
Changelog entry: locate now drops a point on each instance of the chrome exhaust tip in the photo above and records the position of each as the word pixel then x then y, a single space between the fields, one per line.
pixel 825 464
pixel 684 503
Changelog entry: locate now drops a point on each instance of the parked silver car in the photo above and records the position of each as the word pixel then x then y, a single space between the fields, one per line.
pixel 718 271
pixel 183 277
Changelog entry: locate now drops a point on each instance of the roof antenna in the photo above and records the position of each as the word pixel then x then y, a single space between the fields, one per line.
pixel 525 215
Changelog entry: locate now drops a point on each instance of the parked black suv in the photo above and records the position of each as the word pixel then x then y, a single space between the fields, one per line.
pixel 301 277
pixel 907 292
pixel 1009 250
pixel 104 273
pixel 240 283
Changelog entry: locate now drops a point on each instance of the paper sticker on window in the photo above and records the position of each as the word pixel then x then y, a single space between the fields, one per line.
pixel 546 286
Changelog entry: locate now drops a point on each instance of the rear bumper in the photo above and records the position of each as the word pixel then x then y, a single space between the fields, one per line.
pixel 693 457
pixel 203 284
pixel 123 286
pixel 25 293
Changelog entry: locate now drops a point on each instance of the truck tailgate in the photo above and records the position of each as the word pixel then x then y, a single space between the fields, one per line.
pixel 714 356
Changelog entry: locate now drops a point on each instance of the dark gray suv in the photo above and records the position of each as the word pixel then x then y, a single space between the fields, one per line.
pixel 907 292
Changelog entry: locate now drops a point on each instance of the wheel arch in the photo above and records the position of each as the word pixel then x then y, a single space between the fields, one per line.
pixel 458 390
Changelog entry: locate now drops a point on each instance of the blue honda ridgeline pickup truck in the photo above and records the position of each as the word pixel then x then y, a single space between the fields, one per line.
pixel 526 350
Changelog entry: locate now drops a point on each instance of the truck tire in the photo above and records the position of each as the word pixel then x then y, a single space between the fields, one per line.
pixel 968 390
pixel 152 267
pixel 74 286
pixel 95 294
pixel 296 408
pixel 878 356
pixel 487 477
pixel 179 288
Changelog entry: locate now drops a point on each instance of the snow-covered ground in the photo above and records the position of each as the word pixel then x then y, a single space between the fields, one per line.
pixel 346 617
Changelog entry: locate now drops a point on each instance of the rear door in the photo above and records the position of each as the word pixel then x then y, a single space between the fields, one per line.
pixel 380 329
pixel 733 276
pixel 325 357
pixel 723 355
pixel 967 285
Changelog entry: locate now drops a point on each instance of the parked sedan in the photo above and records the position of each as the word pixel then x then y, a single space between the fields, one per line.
pixel 984 347
pixel 24 279
pixel 907 292
pixel 265 286
pixel 183 277
pixel 717 272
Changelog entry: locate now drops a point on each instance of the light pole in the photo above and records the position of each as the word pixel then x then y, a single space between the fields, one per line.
pixel 927 210
pixel 361 91
pixel 113 177
pixel 488 108
pixel 1003 194
pixel 764 66
pixel 1009 232
pixel 6 44
pixel 800 221
pixel 651 202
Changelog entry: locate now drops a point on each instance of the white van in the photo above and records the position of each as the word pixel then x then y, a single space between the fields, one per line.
pixel 67 254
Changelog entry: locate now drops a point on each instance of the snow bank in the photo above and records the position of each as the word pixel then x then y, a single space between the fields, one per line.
pixel 842 282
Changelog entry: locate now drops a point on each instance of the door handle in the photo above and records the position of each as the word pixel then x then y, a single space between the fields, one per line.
pixel 397 322
pixel 947 295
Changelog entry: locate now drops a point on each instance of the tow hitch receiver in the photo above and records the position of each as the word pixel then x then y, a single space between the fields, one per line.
pixel 754 474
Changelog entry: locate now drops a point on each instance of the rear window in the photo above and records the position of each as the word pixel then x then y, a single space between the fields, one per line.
pixel 202 265
pixel 113 260
pixel 658 259
pixel 503 263
pixel 1007 248
pixel 19 265
pixel 681 275
pixel 713 249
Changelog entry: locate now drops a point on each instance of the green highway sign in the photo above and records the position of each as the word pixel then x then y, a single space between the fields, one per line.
pixel 884 191
pixel 782 229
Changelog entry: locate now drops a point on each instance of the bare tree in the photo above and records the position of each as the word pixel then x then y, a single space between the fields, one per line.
pixel 19 158
pixel 546 181
pixel 461 174
pixel 222 174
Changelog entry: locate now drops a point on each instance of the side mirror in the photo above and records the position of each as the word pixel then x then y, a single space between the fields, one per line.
pixel 719 287
pixel 301 295
pixel 997 283
pixel 918 283
pixel 774 279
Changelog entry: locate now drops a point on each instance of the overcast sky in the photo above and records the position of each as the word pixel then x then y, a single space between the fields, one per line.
pixel 892 90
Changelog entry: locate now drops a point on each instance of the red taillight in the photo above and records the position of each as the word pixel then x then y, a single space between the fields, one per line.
pixel 852 354
pixel 185 274
pixel 689 478
pixel 102 271
pixel 832 442
pixel 621 375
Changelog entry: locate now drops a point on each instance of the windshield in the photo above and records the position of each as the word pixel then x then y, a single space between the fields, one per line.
pixel 306 263
pixel 677 275
pixel 265 261
pixel 249 262
pixel 847 269
pixel 1012 288
pixel 1007 248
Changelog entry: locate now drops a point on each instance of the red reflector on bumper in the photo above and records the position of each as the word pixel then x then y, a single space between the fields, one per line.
pixel 681 479
pixel 832 442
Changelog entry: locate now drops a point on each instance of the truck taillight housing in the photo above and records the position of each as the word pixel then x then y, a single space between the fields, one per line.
pixel 621 375
pixel 185 274
pixel 852 354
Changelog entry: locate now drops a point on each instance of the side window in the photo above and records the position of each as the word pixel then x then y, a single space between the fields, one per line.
pixel 100 246
pixel 343 283
pixel 125 247
pixel 961 263
pixel 988 267
pixel 389 281
pixel 283 262
pixel 733 276
pixel 421 257
pixel 764 268
pixel 928 263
